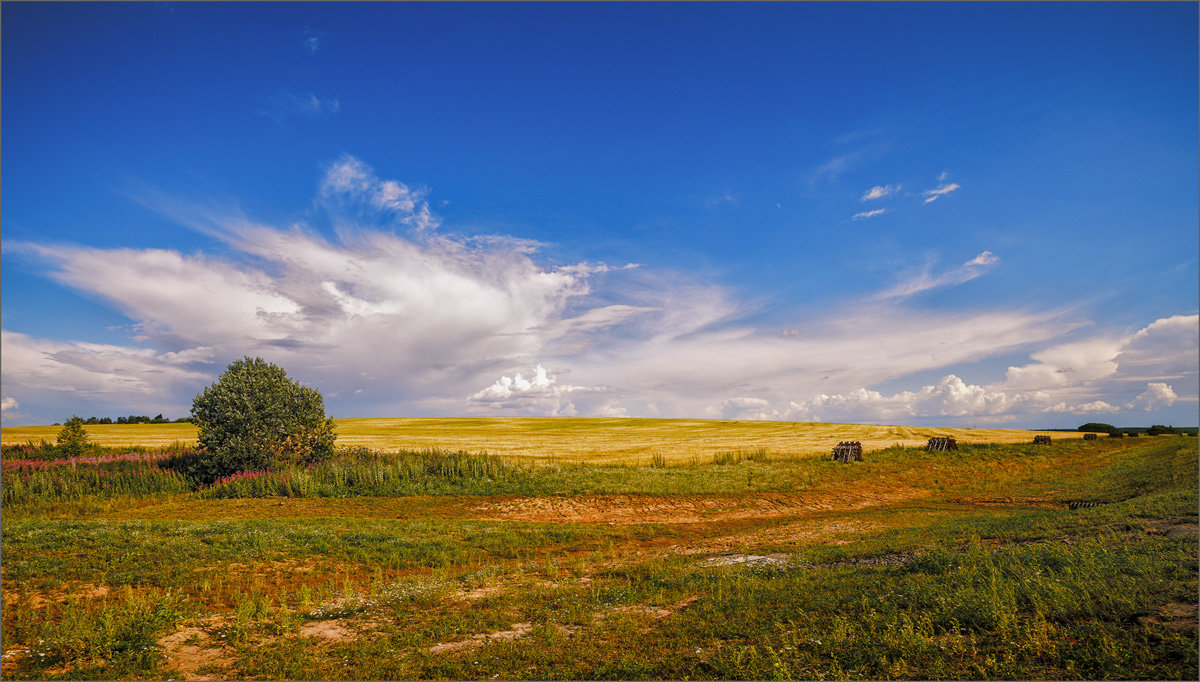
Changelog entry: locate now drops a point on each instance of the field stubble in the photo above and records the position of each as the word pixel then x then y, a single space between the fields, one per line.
pixel 567 439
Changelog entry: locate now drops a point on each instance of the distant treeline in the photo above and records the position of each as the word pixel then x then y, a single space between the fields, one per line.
pixel 1155 430
pixel 134 419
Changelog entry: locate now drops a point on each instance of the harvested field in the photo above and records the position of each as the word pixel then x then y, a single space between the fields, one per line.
pixel 565 439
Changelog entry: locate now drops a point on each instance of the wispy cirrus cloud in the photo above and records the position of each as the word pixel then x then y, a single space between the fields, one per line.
pixel 869 214
pixel 940 191
pixel 880 192
pixel 927 280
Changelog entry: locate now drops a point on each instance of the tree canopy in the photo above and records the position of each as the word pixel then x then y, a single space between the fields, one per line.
pixel 1097 427
pixel 72 438
pixel 255 418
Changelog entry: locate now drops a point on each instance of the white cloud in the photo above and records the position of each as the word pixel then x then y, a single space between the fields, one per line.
pixel 880 192
pixel 352 188
pixel 926 280
pixel 742 407
pixel 985 258
pixel 408 320
pixel 940 191
pixel 1067 378
pixel 869 214
pixel 540 393
pixel 950 397
pixel 1067 365
pixel 1094 407
pixel 1166 349
pixel 9 403
pixel 43 368
pixel 1157 394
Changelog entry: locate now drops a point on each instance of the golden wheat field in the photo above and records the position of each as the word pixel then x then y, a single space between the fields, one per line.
pixel 569 439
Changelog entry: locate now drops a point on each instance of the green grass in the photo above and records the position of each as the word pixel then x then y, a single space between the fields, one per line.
pixel 976 571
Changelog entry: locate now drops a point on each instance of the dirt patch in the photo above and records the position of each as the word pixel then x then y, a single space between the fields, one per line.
pixel 37 600
pixel 477 593
pixel 1174 528
pixel 746 560
pixel 1176 616
pixel 680 509
pixel 191 650
pixel 333 630
pixel 517 631
pixel 654 613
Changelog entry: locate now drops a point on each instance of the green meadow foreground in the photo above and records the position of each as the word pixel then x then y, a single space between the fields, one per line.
pixel 712 555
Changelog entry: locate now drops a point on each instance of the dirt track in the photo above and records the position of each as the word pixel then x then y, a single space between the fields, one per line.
pixel 683 508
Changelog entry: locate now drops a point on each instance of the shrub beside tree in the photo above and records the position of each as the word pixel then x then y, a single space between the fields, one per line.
pixel 255 418
pixel 1159 429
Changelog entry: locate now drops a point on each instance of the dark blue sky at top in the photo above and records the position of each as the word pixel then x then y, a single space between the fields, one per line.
pixel 731 141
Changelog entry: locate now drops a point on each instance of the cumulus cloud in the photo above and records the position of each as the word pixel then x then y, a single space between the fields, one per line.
pixel 926 279
pixel 869 214
pixel 1067 378
pixel 9 403
pixel 950 397
pixel 1157 394
pixel 1094 407
pixel 1166 349
pixel 540 393
pixel 941 190
pixel 880 192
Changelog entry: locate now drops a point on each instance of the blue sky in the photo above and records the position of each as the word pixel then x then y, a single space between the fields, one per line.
pixel 960 214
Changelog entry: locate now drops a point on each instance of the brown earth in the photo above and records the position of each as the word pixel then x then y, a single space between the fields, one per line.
pixel 190 650
pixel 682 509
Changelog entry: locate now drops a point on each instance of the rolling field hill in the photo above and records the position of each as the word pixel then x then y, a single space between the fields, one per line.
pixel 568 439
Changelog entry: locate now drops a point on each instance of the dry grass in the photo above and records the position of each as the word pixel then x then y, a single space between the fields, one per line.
pixel 574 440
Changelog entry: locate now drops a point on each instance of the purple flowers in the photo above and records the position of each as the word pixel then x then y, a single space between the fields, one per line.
pixel 239 476
pixel 31 464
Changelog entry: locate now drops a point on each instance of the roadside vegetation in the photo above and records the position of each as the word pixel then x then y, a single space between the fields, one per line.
pixel 741 564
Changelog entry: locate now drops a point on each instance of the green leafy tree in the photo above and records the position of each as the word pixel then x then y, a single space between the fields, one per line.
pixel 254 418
pixel 72 438
pixel 1096 427
pixel 1159 429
